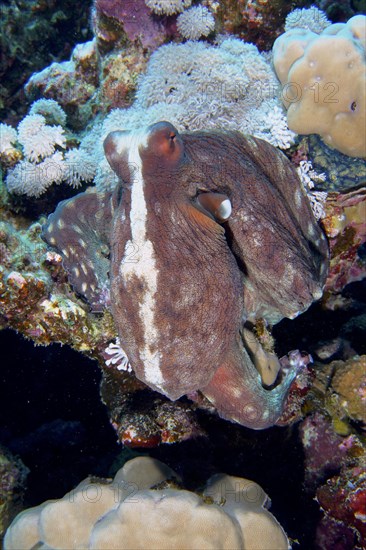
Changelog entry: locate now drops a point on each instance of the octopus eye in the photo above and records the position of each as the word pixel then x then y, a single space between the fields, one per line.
pixel 216 205
pixel 172 137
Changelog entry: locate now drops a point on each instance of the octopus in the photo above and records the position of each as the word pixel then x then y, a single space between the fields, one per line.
pixel 205 233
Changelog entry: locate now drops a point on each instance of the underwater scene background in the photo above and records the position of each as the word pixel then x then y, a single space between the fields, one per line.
pixel 183 299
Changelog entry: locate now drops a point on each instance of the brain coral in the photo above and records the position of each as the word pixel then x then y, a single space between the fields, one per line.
pixel 324 83
pixel 128 513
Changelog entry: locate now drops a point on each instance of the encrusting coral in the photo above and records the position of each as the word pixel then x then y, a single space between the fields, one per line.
pixel 345 224
pixel 144 507
pixel 349 388
pixel 324 82
pixel 73 84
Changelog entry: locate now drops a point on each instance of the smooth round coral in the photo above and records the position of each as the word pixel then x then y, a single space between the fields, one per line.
pixel 128 513
pixel 324 82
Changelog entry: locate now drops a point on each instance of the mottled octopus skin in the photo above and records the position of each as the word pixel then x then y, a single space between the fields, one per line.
pixel 182 284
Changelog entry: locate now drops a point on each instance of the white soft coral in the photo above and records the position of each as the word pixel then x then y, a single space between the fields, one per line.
pixel 117 356
pixel 195 22
pixel 8 138
pixel 29 178
pixel 309 177
pixel 46 160
pixel 39 140
pixel 167 7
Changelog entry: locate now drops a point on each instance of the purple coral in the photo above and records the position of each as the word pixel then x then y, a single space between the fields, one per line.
pixel 136 20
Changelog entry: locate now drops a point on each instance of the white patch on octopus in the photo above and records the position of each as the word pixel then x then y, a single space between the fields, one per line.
pixel 143 265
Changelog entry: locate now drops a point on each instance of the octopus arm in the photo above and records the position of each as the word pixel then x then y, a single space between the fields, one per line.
pixel 237 392
pixel 79 230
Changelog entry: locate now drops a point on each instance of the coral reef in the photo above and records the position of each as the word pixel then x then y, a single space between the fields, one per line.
pixel 256 21
pixel 144 507
pixel 310 179
pixel 192 95
pixel 42 146
pixel 13 475
pixel 335 471
pixel 167 7
pixel 333 442
pixel 342 172
pixel 72 84
pixel 324 82
pixel 311 19
pixel 118 22
pixel 29 26
pixel 195 95
pixel 35 297
pixel 342 498
pixel 348 387
pixel 323 448
pixel 138 70
pixel 50 110
pixel 345 226
pixel 343 501
pixel 9 154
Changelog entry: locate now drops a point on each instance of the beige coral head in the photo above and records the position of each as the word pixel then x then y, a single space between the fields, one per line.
pixel 333 94
pixel 325 87
pixel 288 48
pixel 246 502
pixel 132 512
pixel 144 472
pixel 24 531
pixel 166 520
